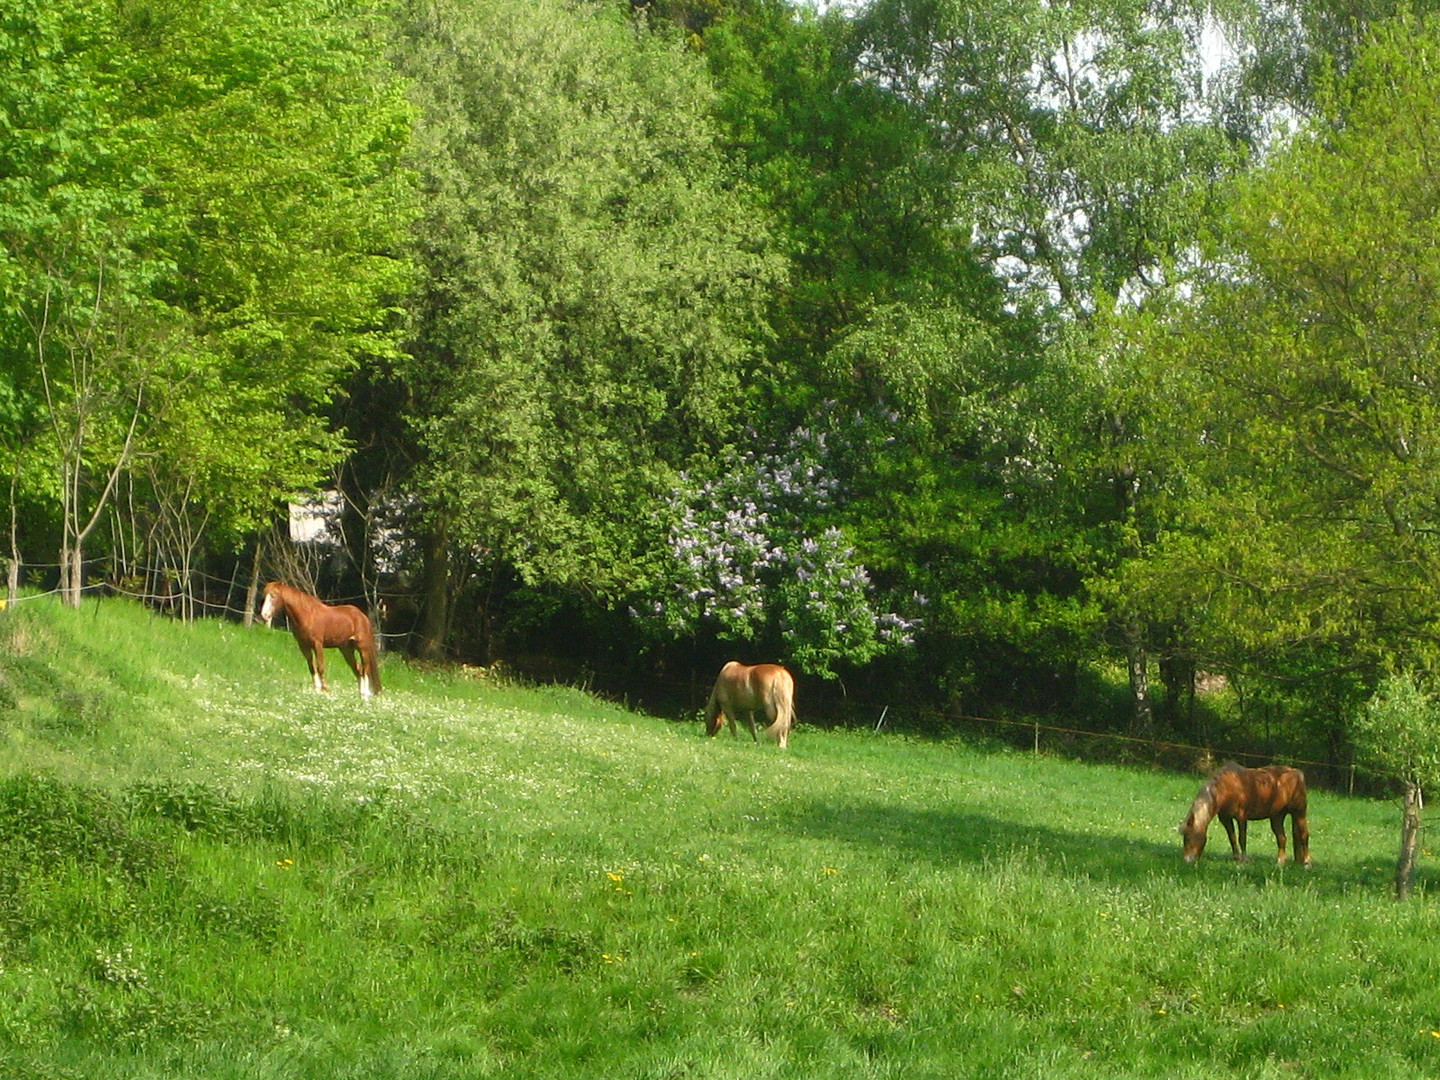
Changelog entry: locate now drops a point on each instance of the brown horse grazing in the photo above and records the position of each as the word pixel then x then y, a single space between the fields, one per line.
pixel 744 691
pixel 1236 793
pixel 318 626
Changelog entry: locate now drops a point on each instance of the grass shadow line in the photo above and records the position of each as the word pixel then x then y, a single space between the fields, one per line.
pixel 963 836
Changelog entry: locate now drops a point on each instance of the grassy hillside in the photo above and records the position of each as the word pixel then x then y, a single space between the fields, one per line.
pixel 207 870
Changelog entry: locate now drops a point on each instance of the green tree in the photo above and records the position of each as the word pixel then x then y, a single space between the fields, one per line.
pixel 595 285
pixel 84 338
pixel 852 173
pixel 1316 340
pixel 280 165
pixel 1303 552
pixel 1081 150
pixel 200 232
pixel 1077 133
pixel 1398 733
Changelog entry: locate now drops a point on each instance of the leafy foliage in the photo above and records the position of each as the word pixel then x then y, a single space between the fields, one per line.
pixel 595 280
pixel 749 557
pixel 200 229
pixel 1313 521
pixel 1398 732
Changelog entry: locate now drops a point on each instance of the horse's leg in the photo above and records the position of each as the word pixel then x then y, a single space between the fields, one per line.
pixel 317 667
pixel 750 719
pixel 1244 831
pixel 1235 849
pixel 349 650
pixel 307 650
pixel 734 723
pixel 1277 825
pixel 1301 828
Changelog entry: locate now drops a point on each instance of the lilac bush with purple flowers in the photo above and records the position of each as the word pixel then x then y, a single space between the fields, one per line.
pixel 750 561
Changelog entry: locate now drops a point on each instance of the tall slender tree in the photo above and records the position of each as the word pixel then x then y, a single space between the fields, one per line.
pixel 595 285
pixel 200 235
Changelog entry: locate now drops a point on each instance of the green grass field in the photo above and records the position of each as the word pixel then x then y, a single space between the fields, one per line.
pixel 208 870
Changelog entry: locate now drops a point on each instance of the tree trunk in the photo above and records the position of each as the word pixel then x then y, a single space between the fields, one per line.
pixel 252 592
pixel 435 613
pixel 72 573
pixel 1409 840
pixel 12 569
pixel 1142 724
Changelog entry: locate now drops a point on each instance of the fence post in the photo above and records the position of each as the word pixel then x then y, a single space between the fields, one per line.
pixel 1037 738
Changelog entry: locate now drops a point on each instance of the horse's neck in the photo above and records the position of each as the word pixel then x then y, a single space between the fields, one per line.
pixel 296 600
pixel 1203 808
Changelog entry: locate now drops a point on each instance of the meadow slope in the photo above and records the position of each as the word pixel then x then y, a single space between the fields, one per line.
pixel 208 870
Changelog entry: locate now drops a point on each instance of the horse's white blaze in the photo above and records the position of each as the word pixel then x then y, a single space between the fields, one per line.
pixel 267 612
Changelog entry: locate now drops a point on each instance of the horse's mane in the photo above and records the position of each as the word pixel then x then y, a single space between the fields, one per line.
pixel 292 596
pixel 1203 808
pixel 1206 797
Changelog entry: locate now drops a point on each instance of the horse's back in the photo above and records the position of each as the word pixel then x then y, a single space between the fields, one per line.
pixel 342 624
pixel 758 685
pixel 1264 792
pixel 771 678
pixel 745 687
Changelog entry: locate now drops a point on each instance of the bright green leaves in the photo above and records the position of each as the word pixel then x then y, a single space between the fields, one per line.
pixel 1316 350
pixel 280 166
pixel 201 214
pixel 596 281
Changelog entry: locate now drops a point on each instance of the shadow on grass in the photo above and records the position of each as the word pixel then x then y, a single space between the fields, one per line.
pixel 956 837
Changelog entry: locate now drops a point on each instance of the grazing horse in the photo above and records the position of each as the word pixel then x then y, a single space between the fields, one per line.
pixel 1236 793
pixel 318 625
pixel 744 691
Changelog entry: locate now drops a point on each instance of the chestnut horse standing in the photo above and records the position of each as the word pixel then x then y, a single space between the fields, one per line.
pixel 1236 793
pixel 744 691
pixel 318 626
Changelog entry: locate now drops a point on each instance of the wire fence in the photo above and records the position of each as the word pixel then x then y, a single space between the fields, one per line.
pixel 206 595
pixel 1037 736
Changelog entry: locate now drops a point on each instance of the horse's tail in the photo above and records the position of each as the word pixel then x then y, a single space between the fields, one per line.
pixel 372 662
pixel 782 702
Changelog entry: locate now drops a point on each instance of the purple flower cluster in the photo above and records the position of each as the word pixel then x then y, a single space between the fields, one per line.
pixel 751 556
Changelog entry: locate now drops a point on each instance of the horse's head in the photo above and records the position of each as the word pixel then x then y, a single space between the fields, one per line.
pixel 1196 825
pixel 1194 838
pixel 272 605
pixel 714 724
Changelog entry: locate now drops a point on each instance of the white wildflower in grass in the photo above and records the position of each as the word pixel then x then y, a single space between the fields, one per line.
pixel 475 880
